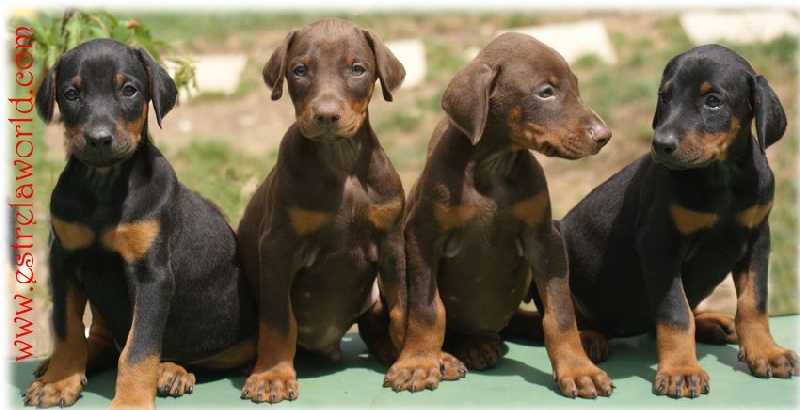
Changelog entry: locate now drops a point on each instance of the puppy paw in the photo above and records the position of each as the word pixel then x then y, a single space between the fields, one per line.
pixel 174 380
pixel 272 386
pixel 595 344
pixel 48 391
pixel 584 379
pixel 423 372
pixel 714 328
pixel 770 361
pixel 476 352
pixel 689 380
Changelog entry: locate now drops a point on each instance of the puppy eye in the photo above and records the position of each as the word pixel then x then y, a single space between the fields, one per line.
pixel 129 90
pixel 358 70
pixel 663 98
pixel 712 101
pixel 300 71
pixel 546 93
pixel 71 94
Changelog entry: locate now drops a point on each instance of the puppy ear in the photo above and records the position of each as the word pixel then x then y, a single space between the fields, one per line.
pixel 466 99
pixel 163 92
pixel 390 70
pixel 664 78
pixel 768 113
pixel 46 95
pixel 275 69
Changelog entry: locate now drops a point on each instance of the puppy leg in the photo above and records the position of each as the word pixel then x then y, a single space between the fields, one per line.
pixel 757 348
pixel 373 327
pixel 383 325
pixel 274 378
pixel 138 368
pixel 64 374
pixel 574 371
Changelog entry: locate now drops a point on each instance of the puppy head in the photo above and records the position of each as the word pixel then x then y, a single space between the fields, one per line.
pixel 331 67
pixel 707 100
pixel 524 91
pixel 102 89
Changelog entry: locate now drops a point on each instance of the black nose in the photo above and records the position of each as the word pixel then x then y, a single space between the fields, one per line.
pixel 665 144
pixel 327 112
pixel 99 137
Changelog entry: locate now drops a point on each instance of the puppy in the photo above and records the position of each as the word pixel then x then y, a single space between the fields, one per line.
pixel 649 244
pixel 325 221
pixel 157 263
pixel 477 226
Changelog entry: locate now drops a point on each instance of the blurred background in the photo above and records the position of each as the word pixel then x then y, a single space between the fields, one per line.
pixel 223 136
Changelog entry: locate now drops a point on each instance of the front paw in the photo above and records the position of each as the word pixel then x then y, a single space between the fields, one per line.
pixel 478 352
pixel 681 381
pixel 274 385
pixel 423 372
pixel 715 328
pixel 174 380
pixel 46 392
pixel 770 361
pixel 584 379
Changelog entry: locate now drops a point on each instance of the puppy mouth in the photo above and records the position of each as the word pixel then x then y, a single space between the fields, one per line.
pixel 678 164
pixel 328 133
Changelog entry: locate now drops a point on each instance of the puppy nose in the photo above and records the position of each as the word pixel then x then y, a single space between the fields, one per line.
pixel 98 137
pixel 327 112
pixel 600 133
pixel 665 144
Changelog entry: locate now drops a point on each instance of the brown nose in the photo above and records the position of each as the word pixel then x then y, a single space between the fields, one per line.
pixel 327 112
pixel 600 133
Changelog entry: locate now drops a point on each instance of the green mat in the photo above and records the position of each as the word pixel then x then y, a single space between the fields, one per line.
pixel 521 379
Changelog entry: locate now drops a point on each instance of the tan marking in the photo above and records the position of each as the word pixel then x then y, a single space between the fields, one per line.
pixel 236 356
pixel 305 222
pixel 752 217
pixel 73 236
pixel 554 81
pixel 532 211
pixel 450 217
pixel 752 323
pixel 119 80
pixel 383 216
pixel 713 146
pixel 131 240
pixel 705 88
pixel 675 345
pixel 136 382
pixel 667 86
pixel 350 59
pixel 688 221
pixel 77 81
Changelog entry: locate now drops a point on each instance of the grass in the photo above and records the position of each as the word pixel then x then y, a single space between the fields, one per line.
pixel 623 94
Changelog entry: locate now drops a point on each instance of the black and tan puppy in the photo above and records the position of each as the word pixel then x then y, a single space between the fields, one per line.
pixel 653 241
pixel 325 221
pixel 157 263
pixel 477 226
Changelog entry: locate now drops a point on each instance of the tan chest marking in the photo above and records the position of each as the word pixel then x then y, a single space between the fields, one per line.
pixel 688 221
pixel 752 217
pixel 131 240
pixel 73 236
pixel 532 210
pixel 450 217
pixel 305 222
pixel 383 216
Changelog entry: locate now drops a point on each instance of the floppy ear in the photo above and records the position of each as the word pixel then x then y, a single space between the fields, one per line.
pixel 664 78
pixel 163 92
pixel 46 95
pixel 275 69
pixel 768 113
pixel 466 99
pixel 390 70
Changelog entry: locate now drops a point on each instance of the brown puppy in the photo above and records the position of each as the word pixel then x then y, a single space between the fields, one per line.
pixel 477 226
pixel 326 219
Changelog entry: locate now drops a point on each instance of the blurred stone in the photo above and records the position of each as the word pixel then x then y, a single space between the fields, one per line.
pixel 738 27
pixel 412 54
pixel 215 74
pixel 574 40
